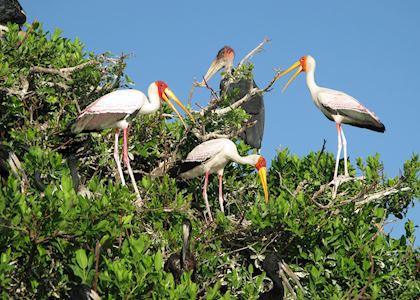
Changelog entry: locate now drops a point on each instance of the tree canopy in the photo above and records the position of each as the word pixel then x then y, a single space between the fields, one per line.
pixel 65 220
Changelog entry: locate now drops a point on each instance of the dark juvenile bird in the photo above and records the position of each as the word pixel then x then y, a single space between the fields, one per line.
pixel 255 107
pixel 271 267
pixel 11 12
pixel 184 261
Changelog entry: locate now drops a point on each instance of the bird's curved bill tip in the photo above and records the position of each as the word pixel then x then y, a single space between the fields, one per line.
pixel 263 177
pixel 294 66
pixel 169 94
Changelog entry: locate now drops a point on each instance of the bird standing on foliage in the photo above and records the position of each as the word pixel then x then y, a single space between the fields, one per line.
pixel 11 12
pixel 117 109
pixel 336 106
pixel 179 263
pixel 254 107
pixel 211 157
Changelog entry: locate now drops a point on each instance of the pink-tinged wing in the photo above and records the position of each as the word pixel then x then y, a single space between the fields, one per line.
pixel 109 109
pixel 207 150
pixel 353 112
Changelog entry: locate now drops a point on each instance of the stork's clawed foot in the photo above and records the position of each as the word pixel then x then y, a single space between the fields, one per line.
pixel 139 201
pixel 337 181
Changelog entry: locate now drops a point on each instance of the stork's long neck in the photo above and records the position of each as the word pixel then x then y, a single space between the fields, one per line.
pixel 310 80
pixel 248 160
pixel 152 104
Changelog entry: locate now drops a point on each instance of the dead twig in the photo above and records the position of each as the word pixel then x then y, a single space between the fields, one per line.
pixel 219 135
pixel 254 51
pixel 246 98
pixel 63 72
pixel 379 195
pixel 97 253
pixel 320 153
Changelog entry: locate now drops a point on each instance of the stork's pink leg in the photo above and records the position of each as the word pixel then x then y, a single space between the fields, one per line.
pixel 344 141
pixel 221 193
pixel 338 150
pixel 127 162
pixel 206 201
pixel 117 157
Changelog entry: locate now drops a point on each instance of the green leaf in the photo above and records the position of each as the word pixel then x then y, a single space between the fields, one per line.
pixel 158 261
pixel 81 258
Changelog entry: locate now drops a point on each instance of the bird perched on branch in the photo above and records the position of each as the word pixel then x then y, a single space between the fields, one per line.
pixel 336 106
pixel 254 107
pixel 179 263
pixel 117 109
pixel 211 157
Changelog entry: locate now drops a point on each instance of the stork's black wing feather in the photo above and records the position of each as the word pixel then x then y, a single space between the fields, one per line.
pixel 11 11
pixel 182 167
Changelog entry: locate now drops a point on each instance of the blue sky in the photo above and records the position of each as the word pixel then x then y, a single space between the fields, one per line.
pixel 368 49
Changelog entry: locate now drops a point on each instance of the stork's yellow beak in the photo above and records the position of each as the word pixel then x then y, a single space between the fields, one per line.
pixel 168 94
pixel 294 66
pixel 263 177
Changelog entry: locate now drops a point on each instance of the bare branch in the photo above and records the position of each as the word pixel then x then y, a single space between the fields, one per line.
pixel 219 135
pixel 63 72
pixel 254 51
pixel 246 98
pixel 379 195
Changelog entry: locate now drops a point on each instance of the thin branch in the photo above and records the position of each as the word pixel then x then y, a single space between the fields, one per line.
pixel 370 278
pixel 27 33
pixel 254 51
pixel 285 280
pixel 320 153
pixel 380 228
pixel 218 135
pixel 97 253
pixel 283 186
pixel 379 195
pixel 63 72
pixel 246 98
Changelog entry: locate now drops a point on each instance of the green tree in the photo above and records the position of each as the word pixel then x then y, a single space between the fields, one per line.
pixel 65 220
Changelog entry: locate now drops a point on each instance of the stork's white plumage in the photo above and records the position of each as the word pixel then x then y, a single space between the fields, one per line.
pixel 211 157
pixel 336 106
pixel 118 108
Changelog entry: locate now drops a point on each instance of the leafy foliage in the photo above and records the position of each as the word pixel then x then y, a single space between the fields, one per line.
pixel 57 232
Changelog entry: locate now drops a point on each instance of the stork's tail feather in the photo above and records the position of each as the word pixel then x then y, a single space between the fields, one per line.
pixel 182 167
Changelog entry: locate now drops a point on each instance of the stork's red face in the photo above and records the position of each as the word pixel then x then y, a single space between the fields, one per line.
pixel 165 94
pixel 302 61
pixel 260 163
pixel 301 64
pixel 261 166
pixel 162 86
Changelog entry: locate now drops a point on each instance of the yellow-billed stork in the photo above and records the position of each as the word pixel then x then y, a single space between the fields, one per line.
pixel 336 106
pixel 118 108
pixel 211 157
